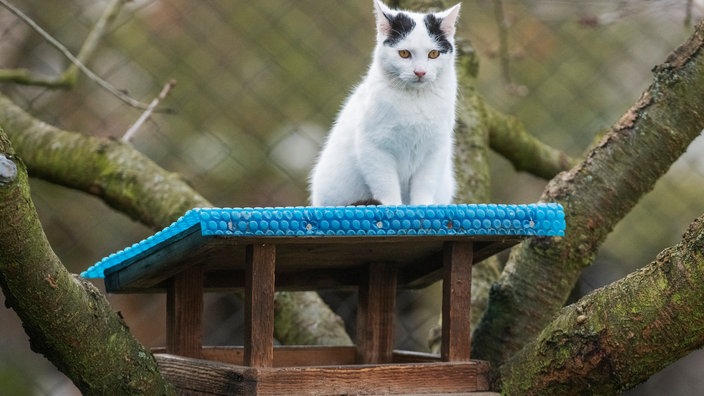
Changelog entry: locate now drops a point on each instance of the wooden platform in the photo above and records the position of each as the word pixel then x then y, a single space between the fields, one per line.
pixel 375 250
pixel 195 376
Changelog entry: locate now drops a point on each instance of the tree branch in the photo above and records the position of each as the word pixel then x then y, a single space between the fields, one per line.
pixel 621 334
pixel 508 137
pixel 596 194
pixel 109 169
pixel 66 318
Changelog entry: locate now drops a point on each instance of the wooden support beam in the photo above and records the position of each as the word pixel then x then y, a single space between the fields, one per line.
pixel 375 314
pixel 456 300
pixel 184 313
pixel 259 305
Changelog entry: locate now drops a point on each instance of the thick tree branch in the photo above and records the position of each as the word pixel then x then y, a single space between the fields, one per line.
pixel 307 324
pixel 66 318
pixel 621 334
pixel 596 194
pixel 109 169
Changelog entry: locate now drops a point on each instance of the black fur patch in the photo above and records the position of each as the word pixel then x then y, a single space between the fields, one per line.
pixel 433 25
pixel 366 202
pixel 401 25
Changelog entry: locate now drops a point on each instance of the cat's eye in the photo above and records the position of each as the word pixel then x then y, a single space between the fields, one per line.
pixel 405 54
pixel 433 54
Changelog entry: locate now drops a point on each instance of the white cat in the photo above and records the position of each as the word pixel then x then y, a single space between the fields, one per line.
pixel 392 142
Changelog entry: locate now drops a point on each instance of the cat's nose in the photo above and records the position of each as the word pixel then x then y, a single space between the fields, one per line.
pixel 419 73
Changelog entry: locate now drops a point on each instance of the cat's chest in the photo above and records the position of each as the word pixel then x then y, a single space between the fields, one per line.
pixel 413 108
pixel 410 119
pixel 408 127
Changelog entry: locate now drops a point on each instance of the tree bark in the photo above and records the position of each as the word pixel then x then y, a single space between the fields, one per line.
pixel 596 194
pixel 302 326
pixel 619 335
pixel 66 318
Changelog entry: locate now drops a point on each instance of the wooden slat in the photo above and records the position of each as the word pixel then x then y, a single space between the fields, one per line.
pixel 184 313
pixel 259 306
pixel 456 292
pixel 382 379
pixel 286 355
pixel 375 314
pixel 206 377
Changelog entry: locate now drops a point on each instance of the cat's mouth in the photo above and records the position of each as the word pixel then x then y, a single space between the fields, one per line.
pixel 415 79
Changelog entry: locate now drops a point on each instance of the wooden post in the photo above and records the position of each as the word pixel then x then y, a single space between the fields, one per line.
pixel 456 300
pixel 375 314
pixel 259 305
pixel 184 313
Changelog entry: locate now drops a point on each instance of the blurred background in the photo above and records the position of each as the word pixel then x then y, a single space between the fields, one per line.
pixel 258 85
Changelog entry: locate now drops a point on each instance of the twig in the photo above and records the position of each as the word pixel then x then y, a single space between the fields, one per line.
pixel 94 36
pixel 26 77
pixel 503 40
pixel 150 109
pixel 88 47
pixel 688 13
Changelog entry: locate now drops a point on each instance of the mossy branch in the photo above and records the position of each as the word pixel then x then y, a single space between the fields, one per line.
pixel 618 336
pixel 66 318
pixel 111 170
pixel 509 137
pixel 596 194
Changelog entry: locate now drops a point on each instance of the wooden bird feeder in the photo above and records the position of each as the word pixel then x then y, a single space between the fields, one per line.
pixel 376 249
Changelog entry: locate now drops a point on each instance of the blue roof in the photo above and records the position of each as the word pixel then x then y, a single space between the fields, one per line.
pixel 544 219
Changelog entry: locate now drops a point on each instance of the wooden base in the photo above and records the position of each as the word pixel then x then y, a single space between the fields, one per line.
pixel 205 377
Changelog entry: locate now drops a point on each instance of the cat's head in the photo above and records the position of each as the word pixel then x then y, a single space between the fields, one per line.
pixel 415 49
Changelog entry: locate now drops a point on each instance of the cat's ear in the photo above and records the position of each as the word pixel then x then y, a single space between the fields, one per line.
pixel 449 19
pixel 384 15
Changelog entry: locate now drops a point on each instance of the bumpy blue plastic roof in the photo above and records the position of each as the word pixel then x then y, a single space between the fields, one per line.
pixel 480 219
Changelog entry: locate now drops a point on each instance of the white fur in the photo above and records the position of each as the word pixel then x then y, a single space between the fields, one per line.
pixel 393 138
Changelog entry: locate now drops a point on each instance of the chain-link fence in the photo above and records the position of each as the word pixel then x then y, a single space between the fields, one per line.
pixel 258 85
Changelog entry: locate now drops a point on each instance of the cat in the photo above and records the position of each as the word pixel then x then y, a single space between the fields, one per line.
pixel 392 142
